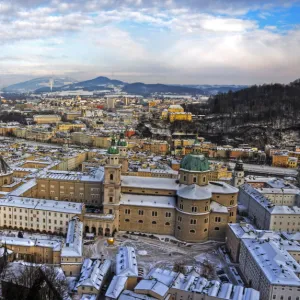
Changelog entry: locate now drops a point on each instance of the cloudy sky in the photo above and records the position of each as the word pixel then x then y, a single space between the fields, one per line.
pixel 167 41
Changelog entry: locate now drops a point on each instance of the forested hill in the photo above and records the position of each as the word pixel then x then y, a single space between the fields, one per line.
pixel 266 103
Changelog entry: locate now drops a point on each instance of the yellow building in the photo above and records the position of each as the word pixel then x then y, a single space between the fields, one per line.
pixel 70 126
pixel 280 160
pixel 175 109
pixel 293 162
pixel 176 113
pixel 46 119
pixel 180 116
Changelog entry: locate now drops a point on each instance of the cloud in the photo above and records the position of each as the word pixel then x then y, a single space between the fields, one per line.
pixel 161 40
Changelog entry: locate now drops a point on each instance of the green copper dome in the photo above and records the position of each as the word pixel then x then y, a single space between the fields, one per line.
pixel 193 162
pixel 122 142
pixel 113 149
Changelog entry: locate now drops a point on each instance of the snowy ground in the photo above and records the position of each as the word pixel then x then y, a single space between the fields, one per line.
pixel 154 253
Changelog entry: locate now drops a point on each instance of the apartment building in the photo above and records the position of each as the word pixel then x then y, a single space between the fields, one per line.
pixel 269 213
pixel 269 268
pixel 71 186
pixel 38 214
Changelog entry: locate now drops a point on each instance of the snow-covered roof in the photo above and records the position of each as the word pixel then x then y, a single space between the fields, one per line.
pixel 148 200
pixel 193 282
pixel 247 231
pixel 274 261
pixel 194 192
pixel 219 187
pixel 152 286
pixel 116 286
pixel 19 191
pixel 126 263
pixel 15 241
pixel 129 295
pixel 291 235
pixel 95 175
pixel 149 182
pixel 218 208
pixel 267 204
pixel 42 204
pixel 73 245
pixel 164 276
pixel 93 273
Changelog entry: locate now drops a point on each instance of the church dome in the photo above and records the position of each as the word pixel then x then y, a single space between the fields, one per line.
pixel 193 162
pixel 113 150
pixel 122 142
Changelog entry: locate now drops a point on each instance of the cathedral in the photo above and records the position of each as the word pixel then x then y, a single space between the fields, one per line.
pixel 189 208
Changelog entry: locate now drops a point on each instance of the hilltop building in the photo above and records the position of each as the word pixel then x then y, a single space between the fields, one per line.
pixel 176 113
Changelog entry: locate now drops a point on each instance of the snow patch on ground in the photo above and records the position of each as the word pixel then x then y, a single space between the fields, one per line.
pixel 142 252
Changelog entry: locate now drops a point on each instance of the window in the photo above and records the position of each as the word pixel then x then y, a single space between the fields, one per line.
pixel 181 206
pixel 178 227
pixel 231 214
pixel 154 214
pixel 168 215
pixel 231 202
pixel 167 224
pixel 111 177
pixel 154 222
pixel 192 231
pixel 126 220
pixel 217 228
pixel 179 218
pixel 204 179
pixel 194 208
pixel 193 221
pixel 110 211
pixel 206 208
pixel 206 220
pixel 194 179
pixel 141 221
pixel 217 219
pixel 110 199
pixel 184 178
pixel 127 211
pixel 141 212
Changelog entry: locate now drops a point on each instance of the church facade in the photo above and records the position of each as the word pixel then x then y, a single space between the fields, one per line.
pixel 190 208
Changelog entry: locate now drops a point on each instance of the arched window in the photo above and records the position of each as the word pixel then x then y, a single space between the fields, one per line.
pixel 111 176
pixel 153 222
pixel 231 202
pixel 192 231
pixel 195 179
pixel 5 181
pixel 204 179
pixel 167 224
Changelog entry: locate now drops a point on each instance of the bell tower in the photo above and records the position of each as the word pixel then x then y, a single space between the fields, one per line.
pixel 238 177
pixel 112 182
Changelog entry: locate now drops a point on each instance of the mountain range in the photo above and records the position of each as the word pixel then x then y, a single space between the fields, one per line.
pixel 37 83
pixel 101 84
